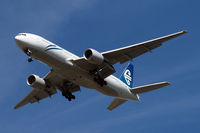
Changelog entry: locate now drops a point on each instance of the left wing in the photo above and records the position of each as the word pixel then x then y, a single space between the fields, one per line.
pixel 128 53
pixel 125 54
pixel 53 81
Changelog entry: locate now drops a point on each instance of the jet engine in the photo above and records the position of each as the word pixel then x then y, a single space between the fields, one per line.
pixel 93 56
pixel 36 82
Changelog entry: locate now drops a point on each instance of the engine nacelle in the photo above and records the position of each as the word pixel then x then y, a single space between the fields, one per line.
pixel 36 82
pixel 93 56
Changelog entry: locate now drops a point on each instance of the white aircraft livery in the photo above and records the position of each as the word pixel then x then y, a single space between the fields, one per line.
pixel 94 70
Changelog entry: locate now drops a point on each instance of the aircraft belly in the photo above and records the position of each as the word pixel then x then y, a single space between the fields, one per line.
pixel 84 79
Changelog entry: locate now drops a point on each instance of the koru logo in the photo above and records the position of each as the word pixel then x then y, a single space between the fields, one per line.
pixel 127 76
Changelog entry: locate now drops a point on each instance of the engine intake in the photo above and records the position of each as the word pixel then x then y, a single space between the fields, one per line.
pixel 36 82
pixel 93 56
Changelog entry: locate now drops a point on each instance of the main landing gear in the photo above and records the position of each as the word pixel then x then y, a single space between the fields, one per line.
pixel 101 73
pixel 100 80
pixel 67 94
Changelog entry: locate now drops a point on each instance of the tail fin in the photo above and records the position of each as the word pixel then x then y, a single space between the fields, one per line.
pixel 127 75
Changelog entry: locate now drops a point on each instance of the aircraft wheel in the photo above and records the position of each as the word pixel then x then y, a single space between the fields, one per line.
pixel 30 59
pixel 69 99
pixel 73 97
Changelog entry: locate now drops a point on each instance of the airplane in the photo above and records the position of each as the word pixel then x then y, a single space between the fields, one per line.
pixel 94 70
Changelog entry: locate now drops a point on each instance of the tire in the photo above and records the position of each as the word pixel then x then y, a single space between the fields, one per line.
pixel 69 99
pixel 73 97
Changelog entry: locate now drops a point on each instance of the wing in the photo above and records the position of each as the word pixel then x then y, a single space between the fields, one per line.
pixel 128 53
pixel 115 103
pixel 34 96
pixel 53 80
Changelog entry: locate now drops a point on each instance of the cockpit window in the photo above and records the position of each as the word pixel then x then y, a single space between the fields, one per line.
pixel 22 34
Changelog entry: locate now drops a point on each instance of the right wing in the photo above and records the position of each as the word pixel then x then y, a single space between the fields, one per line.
pixel 36 95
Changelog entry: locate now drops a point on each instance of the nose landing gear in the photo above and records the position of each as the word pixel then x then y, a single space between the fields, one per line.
pixel 28 52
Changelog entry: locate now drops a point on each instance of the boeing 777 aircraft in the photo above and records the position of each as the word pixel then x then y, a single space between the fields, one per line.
pixel 94 70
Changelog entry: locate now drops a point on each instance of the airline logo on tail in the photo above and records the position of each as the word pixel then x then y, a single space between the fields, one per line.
pixel 127 76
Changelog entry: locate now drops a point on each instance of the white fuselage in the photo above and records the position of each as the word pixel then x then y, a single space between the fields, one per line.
pixel 60 60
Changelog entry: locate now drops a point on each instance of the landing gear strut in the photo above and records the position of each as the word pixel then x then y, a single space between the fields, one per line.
pixel 28 52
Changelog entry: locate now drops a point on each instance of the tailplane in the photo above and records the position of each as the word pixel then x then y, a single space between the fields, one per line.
pixel 147 88
pixel 115 103
pixel 127 78
pixel 137 90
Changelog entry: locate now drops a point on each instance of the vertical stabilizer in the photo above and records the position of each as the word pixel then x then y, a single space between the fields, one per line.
pixel 127 75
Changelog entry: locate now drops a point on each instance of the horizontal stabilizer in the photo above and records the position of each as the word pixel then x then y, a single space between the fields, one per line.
pixel 115 103
pixel 147 88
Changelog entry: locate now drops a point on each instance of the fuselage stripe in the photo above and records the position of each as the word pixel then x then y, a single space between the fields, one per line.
pixel 51 46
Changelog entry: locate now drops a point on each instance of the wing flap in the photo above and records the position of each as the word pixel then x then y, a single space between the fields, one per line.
pixel 147 88
pixel 138 51
pixel 115 103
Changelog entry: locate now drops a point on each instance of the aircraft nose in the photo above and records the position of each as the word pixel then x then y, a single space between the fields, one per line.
pixel 20 40
pixel 17 38
pixel 20 37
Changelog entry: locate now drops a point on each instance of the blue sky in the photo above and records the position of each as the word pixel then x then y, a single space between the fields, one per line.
pixel 104 25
